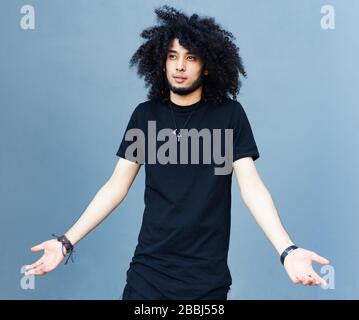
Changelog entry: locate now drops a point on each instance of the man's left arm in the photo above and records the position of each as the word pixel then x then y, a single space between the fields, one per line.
pixel 298 263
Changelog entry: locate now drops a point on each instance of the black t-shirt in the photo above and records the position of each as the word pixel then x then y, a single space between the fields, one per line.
pixel 184 238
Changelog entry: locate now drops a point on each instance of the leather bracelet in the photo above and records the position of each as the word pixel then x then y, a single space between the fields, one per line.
pixel 66 243
pixel 286 252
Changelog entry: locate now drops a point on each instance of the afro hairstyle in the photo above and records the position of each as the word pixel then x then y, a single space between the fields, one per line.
pixel 201 36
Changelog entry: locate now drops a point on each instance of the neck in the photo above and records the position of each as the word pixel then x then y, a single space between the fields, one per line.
pixel 188 99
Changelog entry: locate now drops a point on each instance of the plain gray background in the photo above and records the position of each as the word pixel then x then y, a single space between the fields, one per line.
pixel 66 95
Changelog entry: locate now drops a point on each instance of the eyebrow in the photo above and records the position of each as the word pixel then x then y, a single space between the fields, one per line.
pixel 174 51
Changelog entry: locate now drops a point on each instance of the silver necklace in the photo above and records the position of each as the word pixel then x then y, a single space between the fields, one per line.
pixel 177 131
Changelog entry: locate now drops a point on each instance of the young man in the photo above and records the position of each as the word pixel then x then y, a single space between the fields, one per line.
pixel 191 66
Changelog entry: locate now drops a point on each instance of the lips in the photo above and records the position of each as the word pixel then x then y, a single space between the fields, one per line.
pixel 179 79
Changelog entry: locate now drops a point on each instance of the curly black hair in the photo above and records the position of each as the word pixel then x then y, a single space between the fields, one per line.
pixel 200 35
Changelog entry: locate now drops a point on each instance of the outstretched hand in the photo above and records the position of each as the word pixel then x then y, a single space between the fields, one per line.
pixel 51 258
pixel 298 264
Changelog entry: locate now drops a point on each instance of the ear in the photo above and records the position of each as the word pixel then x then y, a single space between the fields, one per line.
pixel 205 72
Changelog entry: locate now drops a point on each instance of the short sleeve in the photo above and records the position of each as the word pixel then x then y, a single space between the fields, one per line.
pixel 127 148
pixel 244 144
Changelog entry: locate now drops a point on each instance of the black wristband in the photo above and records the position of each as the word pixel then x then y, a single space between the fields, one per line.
pixel 286 252
pixel 66 243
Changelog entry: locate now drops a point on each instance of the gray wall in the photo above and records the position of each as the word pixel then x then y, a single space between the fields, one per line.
pixel 66 94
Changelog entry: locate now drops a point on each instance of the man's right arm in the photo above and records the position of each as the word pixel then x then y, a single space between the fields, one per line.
pixel 109 196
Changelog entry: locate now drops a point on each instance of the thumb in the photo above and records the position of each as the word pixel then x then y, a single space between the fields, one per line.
pixel 37 248
pixel 319 259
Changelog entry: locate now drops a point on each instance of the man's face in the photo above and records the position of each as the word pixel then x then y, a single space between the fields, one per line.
pixel 183 69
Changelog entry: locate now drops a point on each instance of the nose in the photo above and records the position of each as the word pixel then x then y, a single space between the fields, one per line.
pixel 180 65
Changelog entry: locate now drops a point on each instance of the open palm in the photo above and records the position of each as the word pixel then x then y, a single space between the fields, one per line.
pixel 51 258
pixel 298 265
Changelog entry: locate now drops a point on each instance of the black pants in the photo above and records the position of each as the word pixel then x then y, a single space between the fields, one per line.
pixel 130 293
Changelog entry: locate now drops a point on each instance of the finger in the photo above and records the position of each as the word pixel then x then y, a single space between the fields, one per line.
pixel 39 271
pixel 29 270
pixel 35 269
pixel 35 264
pixel 306 280
pixel 319 259
pixel 317 279
pixel 312 280
pixel 300 279
pixel 323 282
pixel 37 248
pixel 297 280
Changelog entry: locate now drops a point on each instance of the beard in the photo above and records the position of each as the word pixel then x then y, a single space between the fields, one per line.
pixel 186 90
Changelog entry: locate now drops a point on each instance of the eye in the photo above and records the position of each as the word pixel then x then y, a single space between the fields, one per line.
pixel 171 56
pixel 192 58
